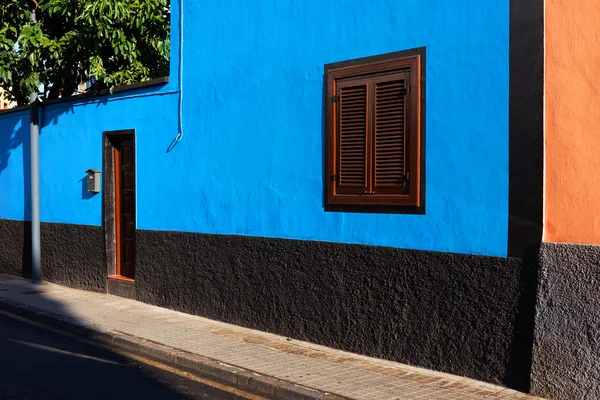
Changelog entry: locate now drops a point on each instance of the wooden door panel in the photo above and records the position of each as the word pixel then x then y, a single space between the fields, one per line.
pixel 127 265
pixel 128 204
pixel 128 180
pixel 127 146
pixel 125 182
pixel 129 231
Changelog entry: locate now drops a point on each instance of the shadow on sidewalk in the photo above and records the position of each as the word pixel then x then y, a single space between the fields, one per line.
pixel 38 363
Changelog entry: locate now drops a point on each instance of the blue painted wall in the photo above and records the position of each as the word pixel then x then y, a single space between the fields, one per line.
pixel 251 159
pixel 14 166
pixel 71 143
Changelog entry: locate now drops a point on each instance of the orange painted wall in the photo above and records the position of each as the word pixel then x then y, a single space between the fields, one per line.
pixel 572 133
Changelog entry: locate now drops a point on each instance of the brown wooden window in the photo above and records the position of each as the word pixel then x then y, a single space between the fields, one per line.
pixel 374 132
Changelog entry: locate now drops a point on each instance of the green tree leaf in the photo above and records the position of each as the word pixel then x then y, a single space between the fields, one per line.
pixel 107 43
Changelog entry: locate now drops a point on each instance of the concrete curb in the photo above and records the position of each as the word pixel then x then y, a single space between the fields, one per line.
pixel 243 378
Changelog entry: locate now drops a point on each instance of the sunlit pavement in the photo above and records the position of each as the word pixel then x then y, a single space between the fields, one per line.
pixel 251 359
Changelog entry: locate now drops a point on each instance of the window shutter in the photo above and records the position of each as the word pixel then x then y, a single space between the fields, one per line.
pixel 352 137
pixel 389 134
pixel 375 133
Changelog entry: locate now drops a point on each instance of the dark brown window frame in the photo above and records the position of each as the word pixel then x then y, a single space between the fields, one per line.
pixel 411 62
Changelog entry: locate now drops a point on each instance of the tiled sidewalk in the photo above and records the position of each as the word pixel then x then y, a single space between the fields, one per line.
pixel 301 363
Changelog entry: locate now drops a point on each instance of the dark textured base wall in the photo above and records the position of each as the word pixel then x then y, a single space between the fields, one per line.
pixel 566 353
pixel 72 255
pixel 467 315
pixel 15 248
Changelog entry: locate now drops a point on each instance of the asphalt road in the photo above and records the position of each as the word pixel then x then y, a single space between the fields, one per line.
pixel 39 364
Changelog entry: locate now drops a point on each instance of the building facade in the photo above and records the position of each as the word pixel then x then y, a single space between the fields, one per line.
pixel 396 179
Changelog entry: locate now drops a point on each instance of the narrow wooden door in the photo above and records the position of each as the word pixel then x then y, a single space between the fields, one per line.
pixel 125 206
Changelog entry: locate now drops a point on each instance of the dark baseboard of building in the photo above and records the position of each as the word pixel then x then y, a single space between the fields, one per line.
pixel 463 314
pixel 566 350
pixel 72 255
pixel 15 247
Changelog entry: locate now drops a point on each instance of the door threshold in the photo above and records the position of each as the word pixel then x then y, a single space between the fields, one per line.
pixel 121 278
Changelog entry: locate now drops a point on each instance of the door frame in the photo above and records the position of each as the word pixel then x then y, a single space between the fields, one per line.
pixel 109 206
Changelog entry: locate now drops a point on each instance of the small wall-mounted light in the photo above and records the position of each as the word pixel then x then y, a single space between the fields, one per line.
pixel 93 180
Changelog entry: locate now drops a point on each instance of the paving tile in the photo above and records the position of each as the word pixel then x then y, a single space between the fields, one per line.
pixel 315 366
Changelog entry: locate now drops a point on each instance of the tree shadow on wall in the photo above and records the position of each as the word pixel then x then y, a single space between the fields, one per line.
pixel 14 132
pixel 15 140
pixel 14 137
pixel 14 128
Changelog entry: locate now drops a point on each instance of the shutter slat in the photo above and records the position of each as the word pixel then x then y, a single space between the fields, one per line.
pixel 354 124
pixel 392 117
pixel 353 90
pixel 352 139
pixel 389 111
pixel 390 135
pixel 387 102
pixel 352 113
pixel 392 130
pixel 351 101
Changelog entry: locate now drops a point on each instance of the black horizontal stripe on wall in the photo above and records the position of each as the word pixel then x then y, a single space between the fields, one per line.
pixel 72 255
